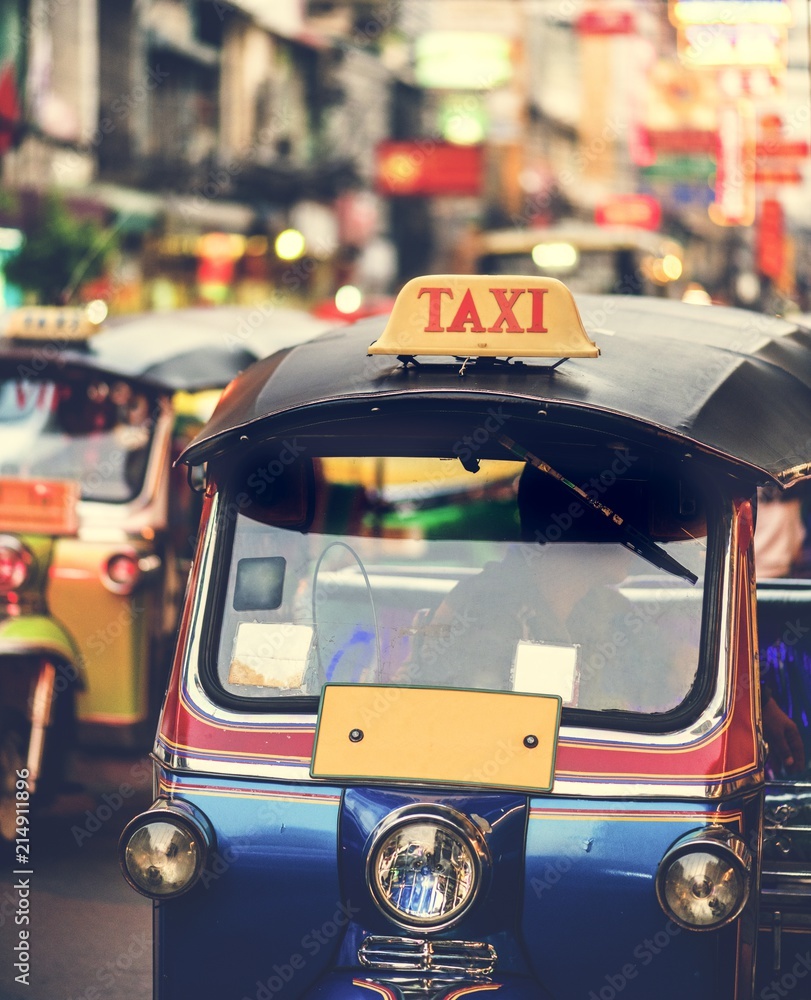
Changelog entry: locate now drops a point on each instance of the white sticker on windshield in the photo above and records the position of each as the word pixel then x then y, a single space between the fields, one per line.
pixel 272 655
pixel 546 668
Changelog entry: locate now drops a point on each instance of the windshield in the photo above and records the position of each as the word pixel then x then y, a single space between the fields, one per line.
pixel 418 572
pixel 96 432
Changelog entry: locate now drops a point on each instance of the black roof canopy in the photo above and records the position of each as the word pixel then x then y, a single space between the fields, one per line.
pixel 186 349
pixel 728 383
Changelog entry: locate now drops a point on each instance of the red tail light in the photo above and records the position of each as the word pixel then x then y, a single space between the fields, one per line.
pixel 122 573
pixel 15 564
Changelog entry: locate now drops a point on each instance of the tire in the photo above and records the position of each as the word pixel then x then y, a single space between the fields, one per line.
pixel 14 734
pixel 60 740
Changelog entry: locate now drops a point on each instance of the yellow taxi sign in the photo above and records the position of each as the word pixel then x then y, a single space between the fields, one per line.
pixel 50 322
pixel 485 316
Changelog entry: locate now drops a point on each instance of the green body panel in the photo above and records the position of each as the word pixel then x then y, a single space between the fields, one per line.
pixel 37 633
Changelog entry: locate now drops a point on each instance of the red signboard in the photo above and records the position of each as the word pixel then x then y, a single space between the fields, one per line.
pixel 777 158
pixel 783 148
pixel 771 239
pixel 778 175
pixel 640 210
pixel 426 167
pixel 606 22
pixel 682 141
pixel 9 107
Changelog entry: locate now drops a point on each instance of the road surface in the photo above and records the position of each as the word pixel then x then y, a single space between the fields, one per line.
pixel 90 934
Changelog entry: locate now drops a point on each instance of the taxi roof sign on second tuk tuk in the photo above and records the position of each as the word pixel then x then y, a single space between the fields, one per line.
pixel 485 316
pixel 68 323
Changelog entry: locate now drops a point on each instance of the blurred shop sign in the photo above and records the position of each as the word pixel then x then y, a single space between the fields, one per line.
pixel 734 203
pixel 462 60
pixel 425 167
pixel 606 21
pixel 703 47
pixel 682 141
pixel 686 12
pixel 9 107
pixel 739 33
pixel 776 156
pixel 679 106
pixel 680 168
pixel 678 119
pixel 782 149
pixel 12 74
pixel 770 239
pixel 778 175
pixel 640 210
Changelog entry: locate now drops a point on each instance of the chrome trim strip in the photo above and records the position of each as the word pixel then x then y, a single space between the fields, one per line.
pixel 298 773
pixel 788 878
pixel 466 959
pixel 659 789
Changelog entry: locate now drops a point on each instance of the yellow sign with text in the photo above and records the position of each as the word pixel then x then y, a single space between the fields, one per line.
pixel 63 323
pixel 485 316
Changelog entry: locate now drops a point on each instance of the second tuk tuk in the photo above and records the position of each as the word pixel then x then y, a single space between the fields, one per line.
pixel 589 258
pixel 96 529
pixel 467 695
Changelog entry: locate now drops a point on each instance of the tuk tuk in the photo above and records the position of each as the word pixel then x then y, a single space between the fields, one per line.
pixel 96 529
pixel 589 258
pixel 467 691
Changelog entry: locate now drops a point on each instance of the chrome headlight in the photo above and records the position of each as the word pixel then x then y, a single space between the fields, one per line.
pixel 15 564
pixel 164 850
pixel 703 881
pixel 426 867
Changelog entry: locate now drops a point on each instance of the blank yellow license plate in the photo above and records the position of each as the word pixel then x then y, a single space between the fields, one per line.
pixel 458 737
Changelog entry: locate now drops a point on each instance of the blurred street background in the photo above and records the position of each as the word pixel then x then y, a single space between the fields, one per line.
pixel 162 153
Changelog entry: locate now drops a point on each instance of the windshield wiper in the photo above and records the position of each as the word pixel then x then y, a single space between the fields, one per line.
pixel 632 538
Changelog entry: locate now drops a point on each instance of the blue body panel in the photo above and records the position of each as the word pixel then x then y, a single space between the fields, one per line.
pixel 266 917
pixel 570 905
pixel 591 920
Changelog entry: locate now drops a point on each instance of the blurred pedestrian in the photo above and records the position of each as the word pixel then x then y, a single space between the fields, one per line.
pixel 780 533
pixel 779 537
